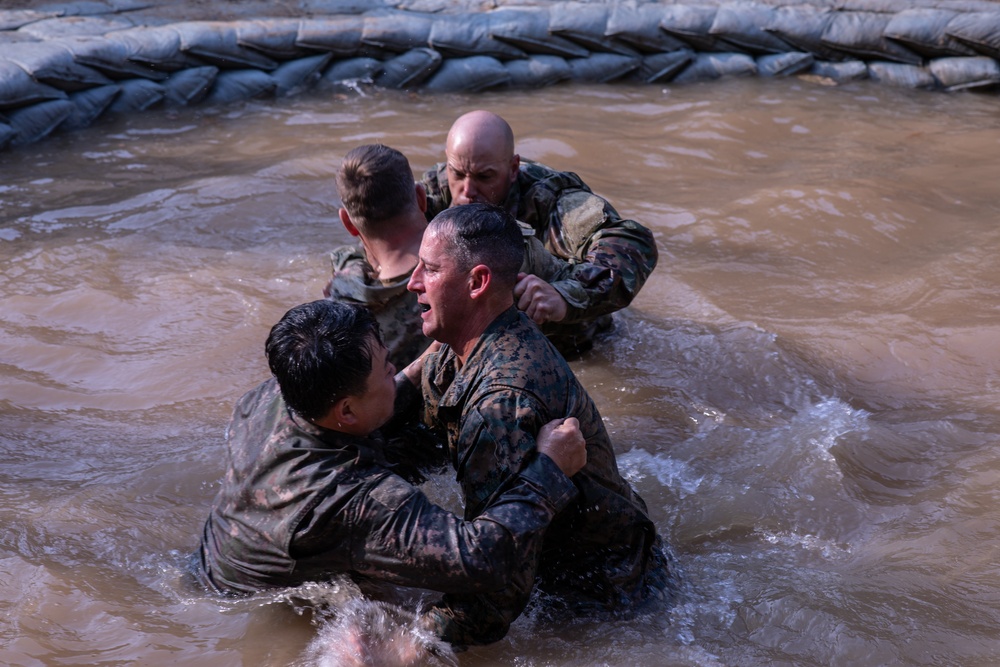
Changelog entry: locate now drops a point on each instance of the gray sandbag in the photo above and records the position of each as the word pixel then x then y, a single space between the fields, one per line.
pixel 12 19
pixel 7 133
pixel 89 105
pixel 961 73
pixel 157 47
pixel 299 74
pixel 784 64
pixel 538 71
pixel 469 35
pixel 662 67
pixel 340 36
pixel 602 67
pixel 901 75
pixel 410 69
pixel 189 86
pixel 18 88
pixel 742 24
pixel 639 27
pixel 217 43
pixel 847 70
pixel 395 31
pixel 53 64
pixel 38 121
pixel 69 26
pixel 342 6
pixel 110 57
pixel 691 24
pixel 350 71
pixel 979 31
pixel 586 24
pixel 802 27
pixel 862 34
pixel 528 30
pixel 136 95
pixel 472 74
pixel 238 85
pixel 710 66
pixel 924 32
pixel 275 38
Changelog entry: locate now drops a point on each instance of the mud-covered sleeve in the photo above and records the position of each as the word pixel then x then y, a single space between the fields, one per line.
pixel 435 182
pixel 347 267
pixel 610 257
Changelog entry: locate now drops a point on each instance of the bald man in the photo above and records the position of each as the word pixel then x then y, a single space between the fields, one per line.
pixel 610 257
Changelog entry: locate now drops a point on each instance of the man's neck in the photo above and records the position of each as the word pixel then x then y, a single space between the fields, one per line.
pixel 478 325
pixel 396 255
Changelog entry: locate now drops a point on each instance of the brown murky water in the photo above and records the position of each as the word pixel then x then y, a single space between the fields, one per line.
pixel 806 391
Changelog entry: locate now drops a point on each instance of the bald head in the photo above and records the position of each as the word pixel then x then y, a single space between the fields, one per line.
pixel 481 161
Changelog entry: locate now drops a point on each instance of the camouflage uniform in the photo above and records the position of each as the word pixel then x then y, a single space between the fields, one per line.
pixel 610 257
pixel 396 308
pixel 603 551
pixel 302 503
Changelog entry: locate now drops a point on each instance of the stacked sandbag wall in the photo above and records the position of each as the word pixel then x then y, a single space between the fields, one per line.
pixel 62 73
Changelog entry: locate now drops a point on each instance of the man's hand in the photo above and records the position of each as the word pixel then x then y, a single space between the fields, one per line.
pixel 539 300
pixel 562 441
pixel 415 369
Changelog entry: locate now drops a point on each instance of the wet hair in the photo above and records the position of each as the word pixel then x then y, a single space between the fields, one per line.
pixel 321 352
pixel 375 184
pixel 483 234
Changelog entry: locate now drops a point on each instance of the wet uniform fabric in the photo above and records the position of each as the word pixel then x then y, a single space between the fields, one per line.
pixel 396 308
pixel 603 550
pixel 302 503
pixel 610 257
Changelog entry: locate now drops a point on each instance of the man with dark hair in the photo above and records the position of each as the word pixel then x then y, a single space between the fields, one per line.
pixel 309 495
pixel 610 257
pixel 384 208
pixel 493 384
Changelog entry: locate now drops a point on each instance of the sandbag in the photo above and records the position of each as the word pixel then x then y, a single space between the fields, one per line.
pixel 662 67
pixel 216 43
pixel 89 105
pixel 709 66
pixel 136 95
pixel 602 67
pixel 528 30
pixel 7 133
pixel 742 24
pixel 238 85
pixel 396 31
pixel 351 71
pixel 56 28
pixel 472 74
pixel 18 88
pixel 966 73
pixel 848 70
pixel 537 71
pixel 979 31
pixel 924 32
pixel 38 121
pixel 691 24
pixel 156 47
pixel 299 74
pixel 802 27
pixel 341 36
pixel 189 86
pixel 409 70
pixel 464 36
pixel 53 64
pixel 902 75
pixel 275 38
pixel 586 24
pixel 784 64
pixel 639 27
pixel 110 57
pixel 862 34
pixel 12 19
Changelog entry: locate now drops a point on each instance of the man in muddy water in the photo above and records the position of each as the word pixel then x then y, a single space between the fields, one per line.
pixel 489 389
pixel 384 209
pixel 611 257
pixel 310 492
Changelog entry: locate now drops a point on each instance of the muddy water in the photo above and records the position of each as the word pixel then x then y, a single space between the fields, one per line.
pixel 805 391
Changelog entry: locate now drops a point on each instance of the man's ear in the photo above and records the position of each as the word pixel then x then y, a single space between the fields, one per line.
pixel 480 279
pixel 345 218
pixel 421 193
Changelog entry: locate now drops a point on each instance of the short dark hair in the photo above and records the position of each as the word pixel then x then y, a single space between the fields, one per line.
pixel 484 234
pixel 321 352
pixel 375 184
